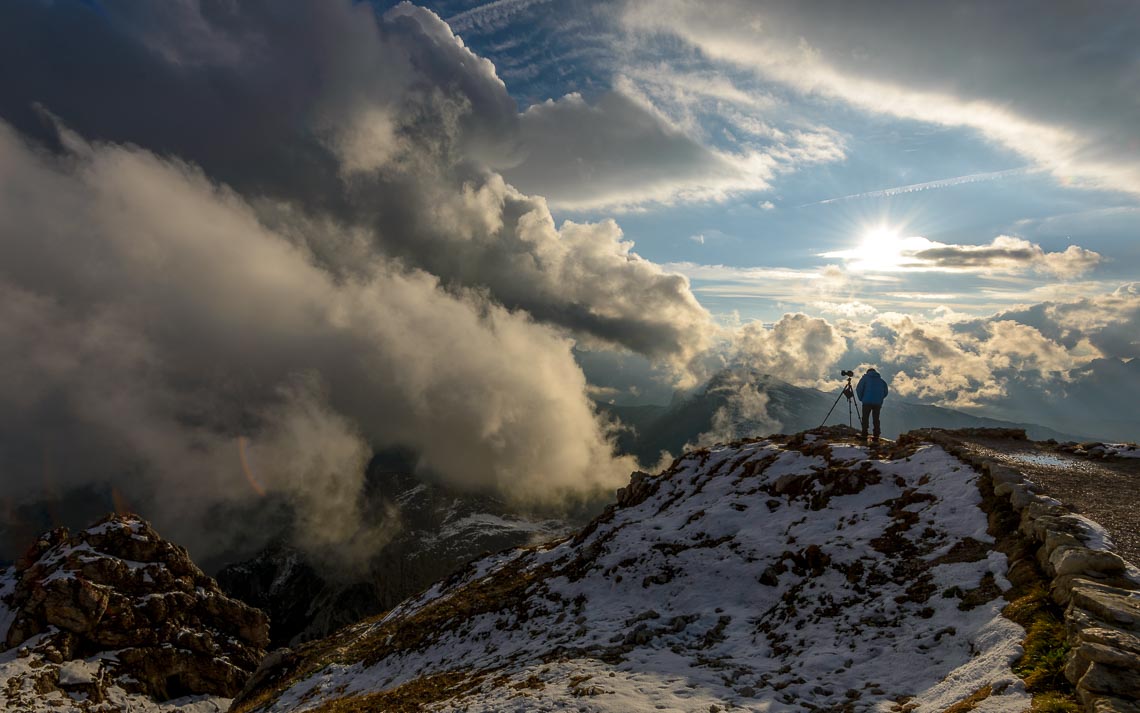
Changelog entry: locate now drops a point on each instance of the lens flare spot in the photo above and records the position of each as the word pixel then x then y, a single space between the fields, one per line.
pixel 249 476
pixel 120 503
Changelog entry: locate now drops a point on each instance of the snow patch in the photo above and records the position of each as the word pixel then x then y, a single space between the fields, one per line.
pixel 7 587
pixel 1122 450
pixel 78 672
pixel 1093 534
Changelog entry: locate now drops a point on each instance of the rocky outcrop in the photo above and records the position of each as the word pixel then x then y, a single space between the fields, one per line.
pixel 134 610
pixel 1094 583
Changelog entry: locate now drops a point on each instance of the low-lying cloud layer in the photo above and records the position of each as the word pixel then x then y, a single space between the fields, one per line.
pixel 1030 364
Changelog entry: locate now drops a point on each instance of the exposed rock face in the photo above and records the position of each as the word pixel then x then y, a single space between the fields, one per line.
pixel 119 587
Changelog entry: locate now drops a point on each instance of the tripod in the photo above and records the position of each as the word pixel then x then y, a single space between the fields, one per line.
pixel 850 394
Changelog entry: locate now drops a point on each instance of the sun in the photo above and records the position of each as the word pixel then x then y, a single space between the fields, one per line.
pixel 880 248
pixel 881 240
pixel 883 248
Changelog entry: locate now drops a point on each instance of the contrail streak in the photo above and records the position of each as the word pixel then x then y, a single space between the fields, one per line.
pixel 915 187
pixel 491 14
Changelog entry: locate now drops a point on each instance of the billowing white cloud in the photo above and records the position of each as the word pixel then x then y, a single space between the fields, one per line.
pixel 744 412
pixel 936 361
pixel 1008 362
pixel 797 348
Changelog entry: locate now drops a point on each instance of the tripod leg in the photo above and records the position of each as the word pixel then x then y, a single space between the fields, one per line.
pixel 831 409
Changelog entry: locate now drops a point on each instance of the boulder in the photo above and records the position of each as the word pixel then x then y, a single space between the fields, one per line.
pixel 1113 605
pixel 1004 475
pixel 1115 638
pixel 1111 680
pixel 641 486
pixel 1081 560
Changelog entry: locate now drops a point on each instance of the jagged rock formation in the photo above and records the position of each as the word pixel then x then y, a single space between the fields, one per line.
pixel 116 618
pixel 804 574
pixel 439 532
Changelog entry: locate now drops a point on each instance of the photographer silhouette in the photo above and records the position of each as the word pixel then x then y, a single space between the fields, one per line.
pixel 872 391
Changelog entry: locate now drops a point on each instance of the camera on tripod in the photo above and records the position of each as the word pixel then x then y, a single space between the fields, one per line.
pixel 850 394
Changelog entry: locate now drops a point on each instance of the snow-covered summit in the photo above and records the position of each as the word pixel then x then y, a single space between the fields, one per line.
pixel 809 574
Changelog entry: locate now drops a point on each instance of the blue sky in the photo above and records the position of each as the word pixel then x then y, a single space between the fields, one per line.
pixel 911 171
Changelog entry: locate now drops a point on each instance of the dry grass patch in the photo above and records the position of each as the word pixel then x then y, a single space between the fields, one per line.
pixel 411 697
pixel 971 702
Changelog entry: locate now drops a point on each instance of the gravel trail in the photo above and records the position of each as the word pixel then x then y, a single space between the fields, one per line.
pixel 1107 490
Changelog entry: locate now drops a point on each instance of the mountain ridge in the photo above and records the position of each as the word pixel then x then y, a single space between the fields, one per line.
pixel 807 574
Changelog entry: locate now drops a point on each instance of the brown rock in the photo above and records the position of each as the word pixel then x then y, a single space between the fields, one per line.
pixel 119 586
pixel 1113 605
pixel 1107 704
pixel 1115 638
pixel 1081 560
pixel 1110 656
pixel 641 486
pixel 1105 679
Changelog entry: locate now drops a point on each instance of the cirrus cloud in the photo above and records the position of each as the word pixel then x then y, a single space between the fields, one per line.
pixel 906 60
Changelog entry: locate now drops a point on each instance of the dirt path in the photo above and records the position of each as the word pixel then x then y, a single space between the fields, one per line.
pixel 1107 491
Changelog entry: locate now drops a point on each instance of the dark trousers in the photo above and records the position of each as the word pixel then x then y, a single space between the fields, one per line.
pixel 869 411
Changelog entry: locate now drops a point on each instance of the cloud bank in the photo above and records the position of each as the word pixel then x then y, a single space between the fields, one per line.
pixel 151 320
pixel 283 226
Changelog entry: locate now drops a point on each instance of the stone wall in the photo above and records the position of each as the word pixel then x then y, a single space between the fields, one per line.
pixel 1101 600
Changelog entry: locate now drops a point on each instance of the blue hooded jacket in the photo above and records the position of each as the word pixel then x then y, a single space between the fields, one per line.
pixel 871 389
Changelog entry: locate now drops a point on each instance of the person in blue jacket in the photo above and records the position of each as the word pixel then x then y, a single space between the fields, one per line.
pixel 872 390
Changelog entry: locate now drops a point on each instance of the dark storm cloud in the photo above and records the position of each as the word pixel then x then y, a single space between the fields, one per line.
pixel 150 321
pixel 282 222
pixel 389 124
pixel 954 256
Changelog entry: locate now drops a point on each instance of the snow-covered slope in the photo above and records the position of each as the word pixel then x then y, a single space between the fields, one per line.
pixel 759 576
pixel 7 587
